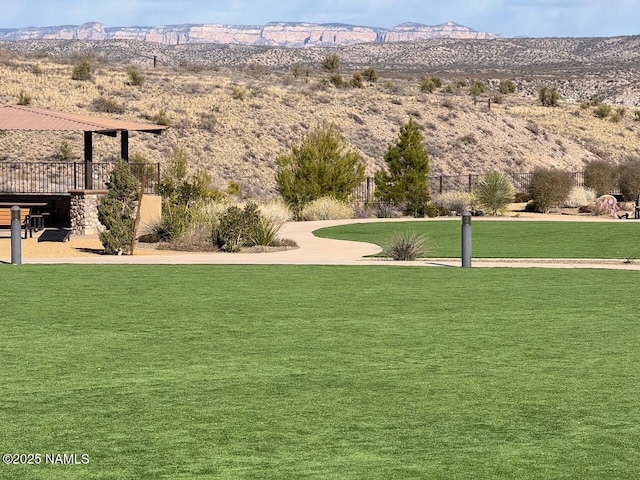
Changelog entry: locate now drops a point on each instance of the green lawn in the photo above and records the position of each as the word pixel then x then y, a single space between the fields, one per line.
pixel 180 372
pixel 507 239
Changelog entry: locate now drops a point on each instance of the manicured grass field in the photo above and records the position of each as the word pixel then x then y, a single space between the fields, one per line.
pixel 180 372
pixel 507 239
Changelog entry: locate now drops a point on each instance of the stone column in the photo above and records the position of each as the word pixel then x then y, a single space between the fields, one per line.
pixel 84 211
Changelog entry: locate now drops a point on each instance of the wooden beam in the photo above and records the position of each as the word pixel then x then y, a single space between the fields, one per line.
pixel 88 161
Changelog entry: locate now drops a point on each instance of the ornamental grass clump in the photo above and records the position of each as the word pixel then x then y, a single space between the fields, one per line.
pixel 494 193
pixel 456 202
pixel 406 246
pixel 327 208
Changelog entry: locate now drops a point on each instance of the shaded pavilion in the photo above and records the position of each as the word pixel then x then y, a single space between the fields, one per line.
pixel 21 118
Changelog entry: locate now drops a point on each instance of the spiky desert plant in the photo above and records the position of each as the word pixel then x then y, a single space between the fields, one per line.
pixel 405 246
pixel 494 192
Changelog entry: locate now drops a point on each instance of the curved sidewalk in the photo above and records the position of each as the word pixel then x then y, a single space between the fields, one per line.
pixel 319 251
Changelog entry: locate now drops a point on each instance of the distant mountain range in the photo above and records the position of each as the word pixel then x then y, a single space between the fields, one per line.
pixel 274 34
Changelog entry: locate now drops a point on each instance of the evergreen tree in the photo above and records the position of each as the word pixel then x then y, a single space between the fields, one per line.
pixel 321 165
pixel 117 210
pixel 406 183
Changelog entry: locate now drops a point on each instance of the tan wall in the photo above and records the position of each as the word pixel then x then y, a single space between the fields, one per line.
pixel 150 212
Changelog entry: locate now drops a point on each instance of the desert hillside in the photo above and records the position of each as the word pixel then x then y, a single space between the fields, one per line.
pixel 235 120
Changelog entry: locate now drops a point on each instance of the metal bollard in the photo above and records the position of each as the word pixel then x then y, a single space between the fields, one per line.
pixel 466 239
pixel 16 237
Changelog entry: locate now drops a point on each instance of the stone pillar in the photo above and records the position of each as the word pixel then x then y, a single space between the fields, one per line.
pixel 84 211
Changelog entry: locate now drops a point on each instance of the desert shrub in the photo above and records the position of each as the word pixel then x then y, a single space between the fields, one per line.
pixel 549 97
pixel 161 118
pixel 370 74
pixel 454 201
pixel 107 105
pixel 478 88
pixel 83 71
pixel 337 81
pixel 331 63
pixel 386 210
pixel 37 69
pixel 24 98
pixel 299 71
pixel 427 85
pixel 629 180
pixel 357 81
pixel 636 115
pixel 405 182
pixel 116 211
pixel 276 211
pixel 600 176
pixel 321 164
pixel 235 227
pixel 326 208
pixel 603 110
pixel 136 78
pixel 65 152
pixel 462 83
pixel 549 188
pixel 238 92
pixel 507 86
pixel 494 192
pixel 405 246
pixel 617 115
pixel 579 197
pixel 264 232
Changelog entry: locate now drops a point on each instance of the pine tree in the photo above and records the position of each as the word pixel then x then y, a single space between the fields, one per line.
pixel 406 183
pixel 117 210
pixel 321 165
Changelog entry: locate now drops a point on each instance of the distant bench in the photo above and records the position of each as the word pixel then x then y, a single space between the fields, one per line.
pixel 25 220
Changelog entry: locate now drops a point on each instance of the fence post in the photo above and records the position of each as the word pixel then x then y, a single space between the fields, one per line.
pixel 470 181
pixel 441 184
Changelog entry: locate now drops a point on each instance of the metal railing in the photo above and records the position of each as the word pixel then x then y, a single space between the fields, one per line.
pixel 61 177
pixel 461 183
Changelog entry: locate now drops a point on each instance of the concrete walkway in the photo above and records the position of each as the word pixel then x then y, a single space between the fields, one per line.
pixel 319 251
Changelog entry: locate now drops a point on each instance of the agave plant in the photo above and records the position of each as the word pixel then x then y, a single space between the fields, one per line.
pixel 494 193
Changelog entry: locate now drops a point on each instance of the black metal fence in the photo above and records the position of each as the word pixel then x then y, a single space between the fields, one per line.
pixel 461 183
pixel 60 177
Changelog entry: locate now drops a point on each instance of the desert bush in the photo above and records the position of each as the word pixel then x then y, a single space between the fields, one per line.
pixel 264 232
pixel 24 98
pixel 494 192
pixel 549 188
pixel 405 182
pixel 636 115
pixel 579 197
pixel 357 80
pixel 107 105
pixel 462 83
pixel 276 211
pixel 299 71
pixel 603 110
pixel 37 69
pixel 337 81
pixel 629 180
pixel 239 92
pixel 326 208
pixel 235 227
pixel 136 78
pixel 549 97
pixel 370 74
pixel 507 86
pixel 65 152
pixel 617 115
pixel 386 210
pixel 321 164
pixel 427 85
pixel 454 201
pixel 161 118
pixel 600 176
pixel 405 246
pixel 331 63
pixel 83 71
pixel 478 88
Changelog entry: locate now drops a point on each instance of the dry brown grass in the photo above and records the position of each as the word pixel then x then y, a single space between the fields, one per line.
pixel 238 139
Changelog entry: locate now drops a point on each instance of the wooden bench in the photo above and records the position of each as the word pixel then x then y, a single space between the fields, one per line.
pixel 25 220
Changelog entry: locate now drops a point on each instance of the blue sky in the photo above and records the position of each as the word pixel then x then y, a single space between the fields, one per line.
pixel 538 18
